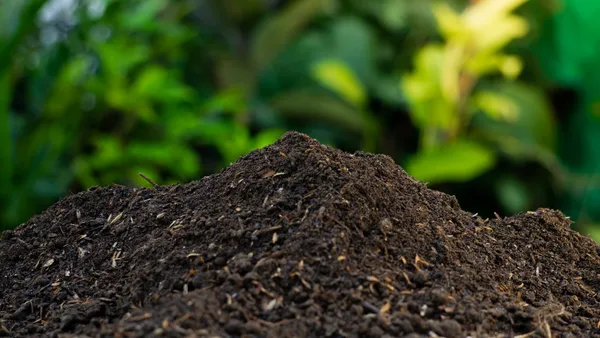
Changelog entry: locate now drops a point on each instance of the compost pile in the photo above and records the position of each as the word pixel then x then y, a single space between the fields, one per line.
pixel 293 240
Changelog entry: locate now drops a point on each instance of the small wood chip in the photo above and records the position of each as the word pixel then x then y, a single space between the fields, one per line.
pixel 269 173
pixel 373 279
pixel 385 308
pixel 271 305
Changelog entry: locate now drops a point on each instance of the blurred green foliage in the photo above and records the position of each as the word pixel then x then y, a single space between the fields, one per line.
pixel 495 101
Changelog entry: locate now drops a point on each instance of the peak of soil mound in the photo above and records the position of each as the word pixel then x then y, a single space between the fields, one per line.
pixel 295 239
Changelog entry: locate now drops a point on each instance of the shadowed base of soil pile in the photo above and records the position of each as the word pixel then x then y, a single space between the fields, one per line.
pixel 296 239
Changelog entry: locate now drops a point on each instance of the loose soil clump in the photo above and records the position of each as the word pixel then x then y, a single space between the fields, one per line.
pixel 295 240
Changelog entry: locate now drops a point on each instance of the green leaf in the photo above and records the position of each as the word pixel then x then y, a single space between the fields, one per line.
pixel 119 55
pixel 533 128
pixel 338 77
pixel 160 85
pixel 279 30
pixel 315 105
pixel 232 139
pixel 109 152
pixel 457 162
pixel 347 39
pixel 495 105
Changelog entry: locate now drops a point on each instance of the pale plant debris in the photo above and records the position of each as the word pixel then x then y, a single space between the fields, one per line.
pixel 116 219
pixel 269 173
pixel 115 257
pixel 385 307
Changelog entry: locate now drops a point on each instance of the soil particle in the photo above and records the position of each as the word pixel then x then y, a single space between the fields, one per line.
pixel 295 240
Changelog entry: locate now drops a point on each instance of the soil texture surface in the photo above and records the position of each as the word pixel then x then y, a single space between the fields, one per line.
pixel 295 240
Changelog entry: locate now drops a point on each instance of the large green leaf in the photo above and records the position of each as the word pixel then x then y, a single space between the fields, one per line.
pixel 456 162
pixel 279 30
pixel 533 127
pixel 338 77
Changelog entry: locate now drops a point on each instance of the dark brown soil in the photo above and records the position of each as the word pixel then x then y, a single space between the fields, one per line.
pixel 295 240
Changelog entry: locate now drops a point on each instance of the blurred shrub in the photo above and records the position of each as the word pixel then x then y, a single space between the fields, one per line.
pixel 443 91
pixel 459 92
pixel 568 53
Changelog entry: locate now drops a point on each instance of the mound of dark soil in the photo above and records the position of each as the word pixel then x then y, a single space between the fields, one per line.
pixel 296 239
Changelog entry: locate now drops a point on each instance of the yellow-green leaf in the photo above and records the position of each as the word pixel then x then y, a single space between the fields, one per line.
pixel 484 12
pixel 449 22
pixel 338 77
pixel 498 34
pixel 508 65
pixel 496 105
pixel 423 83
pixel 511 66
pixel 450 72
